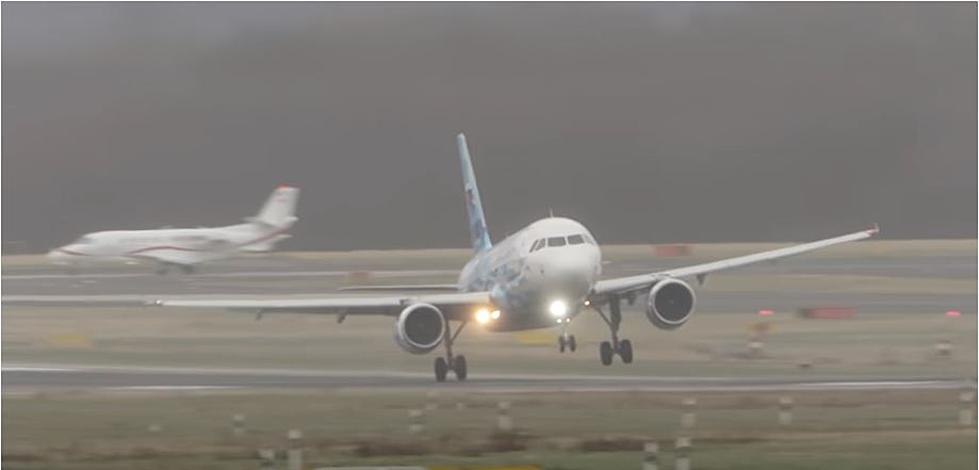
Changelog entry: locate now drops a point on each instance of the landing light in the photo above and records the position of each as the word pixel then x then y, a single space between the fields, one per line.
pixel 558 308
pixel 482 316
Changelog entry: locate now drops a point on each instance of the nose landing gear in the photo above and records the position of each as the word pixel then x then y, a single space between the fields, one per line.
pixel 566 341
pixel 608 349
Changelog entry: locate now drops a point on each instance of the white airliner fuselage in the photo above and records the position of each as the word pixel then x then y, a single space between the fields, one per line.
pixel 539 276
pixel 186 247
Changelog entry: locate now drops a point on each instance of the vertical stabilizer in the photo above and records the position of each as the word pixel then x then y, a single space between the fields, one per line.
pixel 280 208
pixel 478 234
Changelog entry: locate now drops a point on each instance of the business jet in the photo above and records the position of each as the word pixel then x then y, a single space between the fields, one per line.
pixel 185 248
pixel 541 276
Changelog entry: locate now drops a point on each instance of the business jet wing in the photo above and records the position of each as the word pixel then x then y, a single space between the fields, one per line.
pixel 629 284
pixel 454 306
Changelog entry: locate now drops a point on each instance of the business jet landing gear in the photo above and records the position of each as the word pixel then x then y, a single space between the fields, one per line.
pixel 608 349
pixel 456 364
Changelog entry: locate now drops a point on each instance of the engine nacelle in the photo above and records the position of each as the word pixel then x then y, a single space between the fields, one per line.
pixel 670 304
pixel 419 328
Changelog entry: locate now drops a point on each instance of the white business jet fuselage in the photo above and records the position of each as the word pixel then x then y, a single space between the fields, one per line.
pixel 186 247
pixel 542 275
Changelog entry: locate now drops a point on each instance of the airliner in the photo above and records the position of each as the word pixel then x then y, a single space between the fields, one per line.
pixel 544 275
pixel 185 248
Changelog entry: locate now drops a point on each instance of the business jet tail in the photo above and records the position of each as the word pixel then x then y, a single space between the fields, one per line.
pixel 279 209
pixel 478 234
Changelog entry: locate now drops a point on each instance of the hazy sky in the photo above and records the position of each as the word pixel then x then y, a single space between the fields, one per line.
pixel 647 122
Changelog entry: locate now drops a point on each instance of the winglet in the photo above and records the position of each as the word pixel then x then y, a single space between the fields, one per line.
pixel 478 233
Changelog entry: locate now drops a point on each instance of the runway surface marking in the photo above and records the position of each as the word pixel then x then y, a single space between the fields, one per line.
pixel 178 378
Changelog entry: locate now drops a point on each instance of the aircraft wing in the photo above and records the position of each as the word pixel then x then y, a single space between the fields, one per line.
pixel 644 281
pixel 455 306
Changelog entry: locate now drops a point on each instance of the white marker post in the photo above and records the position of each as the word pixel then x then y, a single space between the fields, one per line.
pixel 294 455
pixel 417 424
pixel 266 458
pixel 504 423
pixel 785 411
pixel 689 418
pixel 683 448
pixel 649 459
pixel 965 413
pixel 238 425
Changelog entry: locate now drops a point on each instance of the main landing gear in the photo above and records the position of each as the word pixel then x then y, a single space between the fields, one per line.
pixel 456 364
pixel 608 349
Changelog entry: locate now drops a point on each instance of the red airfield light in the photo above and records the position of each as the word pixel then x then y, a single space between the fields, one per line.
pixel 953 314
pixel 766 313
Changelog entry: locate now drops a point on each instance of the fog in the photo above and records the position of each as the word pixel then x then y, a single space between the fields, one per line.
pixel 646 122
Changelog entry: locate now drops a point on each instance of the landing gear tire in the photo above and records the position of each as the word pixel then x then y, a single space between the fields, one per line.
pixel 572 344
pixel 561 343
pixel 605 352
pixel 441 369
pixel 459 367
pixel 625 351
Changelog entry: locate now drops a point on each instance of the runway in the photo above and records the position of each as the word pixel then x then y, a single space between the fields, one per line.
pixel 18 377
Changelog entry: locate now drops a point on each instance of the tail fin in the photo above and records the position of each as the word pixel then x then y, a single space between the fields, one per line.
pixel 478 234
pixel 280 208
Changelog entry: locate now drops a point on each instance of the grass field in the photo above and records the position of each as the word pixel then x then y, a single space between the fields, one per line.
pixel 573 431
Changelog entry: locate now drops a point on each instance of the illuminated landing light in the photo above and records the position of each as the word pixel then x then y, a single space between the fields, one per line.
pixel 482 316
pixel 953 314
pixel 495 315
pixel 558 308
pixel 766 313
pixel 587 303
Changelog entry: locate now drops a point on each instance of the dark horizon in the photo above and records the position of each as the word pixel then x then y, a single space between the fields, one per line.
pixel 649 123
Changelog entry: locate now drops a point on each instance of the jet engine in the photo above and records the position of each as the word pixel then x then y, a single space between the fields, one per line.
pixel 670 304
pixel 419 328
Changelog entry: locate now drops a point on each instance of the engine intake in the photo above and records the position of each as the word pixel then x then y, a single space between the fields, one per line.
pixel 671 301
pixel 419 328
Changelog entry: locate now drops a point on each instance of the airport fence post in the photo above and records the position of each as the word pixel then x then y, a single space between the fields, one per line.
pixel 504 423
pixel 294 455
pixel 683 447
pixel 238 425
pixel 689 418
pixel 650 449
pixel 266 459
pixel 417 424
pixel 965 413
pixel 785 411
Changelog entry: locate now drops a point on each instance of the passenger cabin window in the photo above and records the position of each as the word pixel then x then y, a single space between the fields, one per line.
pixel 556 241
pixel 576 240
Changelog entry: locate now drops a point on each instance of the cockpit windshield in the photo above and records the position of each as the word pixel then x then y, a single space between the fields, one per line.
pixel 576 239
